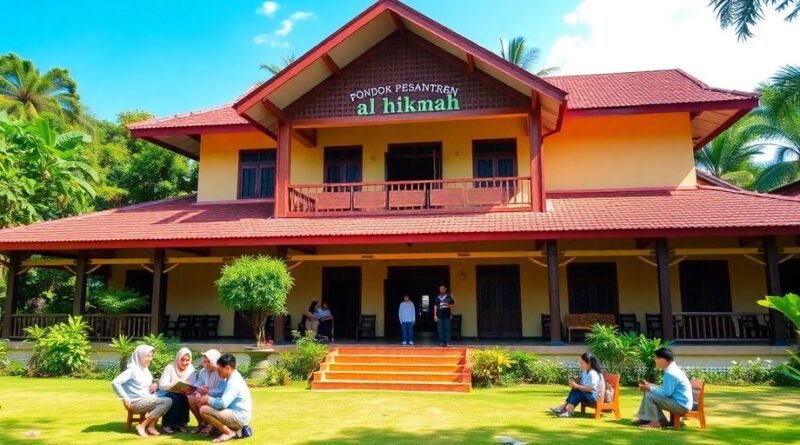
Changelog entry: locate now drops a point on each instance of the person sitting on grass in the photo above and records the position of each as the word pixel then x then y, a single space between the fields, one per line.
pixel 588 391
pixel 229 413
pixel 136 389
pixel 181 370
pixel 674 394
pixel 208 382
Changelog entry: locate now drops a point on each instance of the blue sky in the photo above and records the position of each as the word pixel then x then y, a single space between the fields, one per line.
pixel 167 57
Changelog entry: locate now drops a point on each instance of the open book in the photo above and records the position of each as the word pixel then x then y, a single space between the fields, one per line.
pixel 182 388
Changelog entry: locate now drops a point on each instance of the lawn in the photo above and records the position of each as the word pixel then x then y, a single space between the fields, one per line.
pixel 67 411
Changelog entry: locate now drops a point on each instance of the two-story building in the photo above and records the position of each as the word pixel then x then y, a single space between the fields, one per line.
pixel 397 155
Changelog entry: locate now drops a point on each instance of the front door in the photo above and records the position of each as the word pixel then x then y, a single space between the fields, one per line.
pixel 499 308
pixel 422 285
pixel 341 289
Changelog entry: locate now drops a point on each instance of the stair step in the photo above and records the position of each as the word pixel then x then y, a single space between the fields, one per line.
pixel 392 367
pixel 401 350
pixel 393 376
pixel 352 385
pixel 399 359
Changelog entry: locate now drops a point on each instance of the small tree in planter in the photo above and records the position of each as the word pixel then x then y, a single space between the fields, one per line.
pixel 257 286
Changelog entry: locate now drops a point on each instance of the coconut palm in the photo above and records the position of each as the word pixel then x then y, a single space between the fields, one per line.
pixel 276 68
pixel 517 52
pixel 729 155
pixel 26 93
pixel 742 14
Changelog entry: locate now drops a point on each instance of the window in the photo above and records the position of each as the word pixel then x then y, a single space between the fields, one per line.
pixel 342 164
pixel 494 158
pixel 257 174
pixel 592 288
pixel 705 286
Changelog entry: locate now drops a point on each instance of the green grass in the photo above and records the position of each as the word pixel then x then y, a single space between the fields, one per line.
pixel 66 411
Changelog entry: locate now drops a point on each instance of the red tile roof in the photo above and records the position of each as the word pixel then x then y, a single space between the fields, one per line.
pixel 221 115
pixel 640 88
pixel 182 222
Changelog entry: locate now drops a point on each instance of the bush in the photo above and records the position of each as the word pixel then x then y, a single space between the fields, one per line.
pixel 117 301
pixel 15 368
pixel 548 372
pixel 274 375
pixel 3 354
pixel 61 349
pixel 164 351
pixel 646 351
pixel 256 286
pixel 615 351
pixel 752 372
pixel 245 369
pixel 489 365
pixel 306 358
pixel 521 369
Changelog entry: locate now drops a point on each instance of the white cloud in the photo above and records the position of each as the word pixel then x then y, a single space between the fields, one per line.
pixel 267 8
pixel 269 39
pixel 633 35
pixel 276 38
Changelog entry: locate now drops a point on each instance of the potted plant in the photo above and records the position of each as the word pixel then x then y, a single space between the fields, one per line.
pixel 257 287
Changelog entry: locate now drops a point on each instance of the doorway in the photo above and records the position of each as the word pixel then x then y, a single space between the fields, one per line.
pixel 421 283
pixel 414 162
pixel 592 288
pixel 341 289
pixel 499 306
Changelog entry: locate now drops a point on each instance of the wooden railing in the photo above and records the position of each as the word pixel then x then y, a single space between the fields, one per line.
pixel 721 326
pixel 397 196
pixel 101 326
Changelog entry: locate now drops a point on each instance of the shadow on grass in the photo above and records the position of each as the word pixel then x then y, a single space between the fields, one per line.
pixel 118 429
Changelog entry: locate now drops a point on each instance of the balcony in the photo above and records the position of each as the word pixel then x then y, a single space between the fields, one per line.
pixel 440 195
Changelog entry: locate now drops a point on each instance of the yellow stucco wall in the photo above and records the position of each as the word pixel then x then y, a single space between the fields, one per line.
pixel 600 152
pixel 219 162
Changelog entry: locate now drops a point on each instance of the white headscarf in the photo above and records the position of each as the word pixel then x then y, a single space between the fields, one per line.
pixel 172 372
pixel 212 355
pixel 186 373
pixel 135 363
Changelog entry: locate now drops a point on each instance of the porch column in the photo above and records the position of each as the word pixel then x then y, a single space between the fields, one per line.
pixel 12 283
pixel 538 200
pixel 79 301
pixel 772 270
pixel 159 291
pixel 279 325
pixel 664 289
pixel 555 297
pixel 282 171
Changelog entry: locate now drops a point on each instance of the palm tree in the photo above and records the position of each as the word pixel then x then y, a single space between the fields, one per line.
pixel 25 93
pixel 729 155
pixel 517 52
pixel 276 68
pixel 742 14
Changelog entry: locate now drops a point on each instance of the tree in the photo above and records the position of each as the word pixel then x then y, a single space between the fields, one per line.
pixel 25 93
pixel 743 14
pixel 729 156
pixel 517 52
pixel 43 175
pixel 778 123
pixel 256 286
pixel 276 68
pixel 788 305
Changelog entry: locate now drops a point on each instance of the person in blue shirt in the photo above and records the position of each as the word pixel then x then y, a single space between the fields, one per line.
pixel 442 314
pixel 589 390
pixel 674 394
pixel 229 413
pixel 408 316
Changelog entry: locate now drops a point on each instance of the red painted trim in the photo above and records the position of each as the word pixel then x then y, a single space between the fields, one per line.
pixel 398 22
pixel 403 238
pixel 668 108
pixel 470 63
pixel 405 117
pixel 332 66
pixel 306 137
pixel 202 129
pixel 282 170
pixel 261 127
pixel 273 109
pixel 171 147
pixel 538 196
pixel 722 127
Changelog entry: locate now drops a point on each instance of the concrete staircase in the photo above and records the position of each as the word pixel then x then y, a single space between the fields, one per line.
pixel 394 368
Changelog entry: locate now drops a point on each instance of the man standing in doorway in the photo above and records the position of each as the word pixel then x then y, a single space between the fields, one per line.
pixel 442 313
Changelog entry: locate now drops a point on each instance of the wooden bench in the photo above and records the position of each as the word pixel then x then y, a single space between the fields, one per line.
pixel 601 406
pixel 584 322
pixel 699 410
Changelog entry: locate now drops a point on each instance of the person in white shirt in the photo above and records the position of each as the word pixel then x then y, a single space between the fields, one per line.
pixel 136 389
pixel 181 370
pixel 408 316
pixel 589 390
pixel 208 382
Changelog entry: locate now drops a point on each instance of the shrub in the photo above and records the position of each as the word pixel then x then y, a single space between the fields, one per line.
pixel 275 375
pixel 164 350
pixel 3 354
pixel 117 301
pixel 521 369
pixel 548 372
pixel 488 365
pixel 245 369
pixel 256 286
pixel 61 349
pixel 15 368
pixel 646 351
pixel 752 372
pixel 306 358
pixel 124 345
pixel 616 351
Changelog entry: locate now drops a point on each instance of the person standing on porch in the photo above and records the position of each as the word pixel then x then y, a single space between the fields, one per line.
pixel 442 313
pixel 136 389
pixel 229 413
pixel 181 370
pixel 408 316
pixel 674 394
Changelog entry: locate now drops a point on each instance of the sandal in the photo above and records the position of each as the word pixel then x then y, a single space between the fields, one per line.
pixel 199 428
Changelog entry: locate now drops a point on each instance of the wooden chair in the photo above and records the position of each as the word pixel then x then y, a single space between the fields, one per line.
pixel 545 326
pixel 653 325
pixel 211 328
pixel 181 326
pixel 601 406
pixel 629 323
pixel 366 326
pixel 455 327
pixel 131 418
pixel 197 326
pixel 584 322
pixel 698 410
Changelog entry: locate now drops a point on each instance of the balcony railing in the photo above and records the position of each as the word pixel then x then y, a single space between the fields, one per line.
pixel 101 326
pixel 722 326
pixel 403 196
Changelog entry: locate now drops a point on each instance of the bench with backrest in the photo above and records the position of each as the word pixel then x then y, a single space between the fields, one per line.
pixel 698 410
pixel 629 323
pixel 602 405
pixel 584 322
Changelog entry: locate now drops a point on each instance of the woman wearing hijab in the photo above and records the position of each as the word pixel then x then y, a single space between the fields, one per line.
pixel 136 389
pixel 208 383
pixel 181 370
